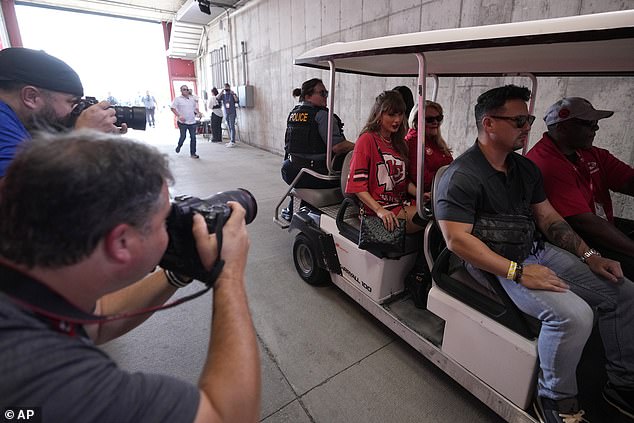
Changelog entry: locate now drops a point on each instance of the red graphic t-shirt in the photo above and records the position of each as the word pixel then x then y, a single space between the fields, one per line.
pixel 384 175
pixel 582 187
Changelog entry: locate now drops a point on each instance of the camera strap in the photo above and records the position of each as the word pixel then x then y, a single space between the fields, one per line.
pixel 62 315
pixel 219 263
pixel 65 317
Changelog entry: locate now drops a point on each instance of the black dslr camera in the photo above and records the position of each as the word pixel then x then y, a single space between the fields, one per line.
pixel 134 117
pixel 181 255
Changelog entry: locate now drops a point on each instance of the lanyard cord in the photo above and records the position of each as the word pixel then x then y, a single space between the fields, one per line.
pixel 22 290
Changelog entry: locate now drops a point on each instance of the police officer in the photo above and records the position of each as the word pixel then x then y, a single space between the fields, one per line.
pixel 307 134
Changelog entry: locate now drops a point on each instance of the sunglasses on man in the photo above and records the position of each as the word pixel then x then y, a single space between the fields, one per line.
pixel 520 121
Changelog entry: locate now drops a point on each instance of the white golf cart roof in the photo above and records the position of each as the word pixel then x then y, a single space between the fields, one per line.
pixel 599 44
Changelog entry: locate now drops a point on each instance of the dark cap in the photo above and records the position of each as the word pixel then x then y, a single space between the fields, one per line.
pixel 35 67
pixel 574 107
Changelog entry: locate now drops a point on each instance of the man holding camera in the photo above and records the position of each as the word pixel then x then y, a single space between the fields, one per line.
pixel 33 99
pixel 71 250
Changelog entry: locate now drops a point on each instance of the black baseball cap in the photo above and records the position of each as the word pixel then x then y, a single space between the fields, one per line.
pixel 37 68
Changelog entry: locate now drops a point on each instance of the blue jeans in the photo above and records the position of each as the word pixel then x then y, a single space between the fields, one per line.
pixel 184 128
pixel 231 125
pixel 567 319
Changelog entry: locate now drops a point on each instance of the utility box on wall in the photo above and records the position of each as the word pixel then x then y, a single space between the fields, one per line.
pixel 245 96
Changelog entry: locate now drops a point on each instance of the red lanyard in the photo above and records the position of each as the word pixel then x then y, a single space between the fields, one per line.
pixel 582 162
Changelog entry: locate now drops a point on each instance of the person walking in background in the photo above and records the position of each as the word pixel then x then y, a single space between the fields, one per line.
pixel 216 116
pixel 185 107
pixel 149 102
pixel 229 99
pixel 111 99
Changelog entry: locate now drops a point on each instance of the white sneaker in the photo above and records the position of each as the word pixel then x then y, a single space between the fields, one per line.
pixel 230 144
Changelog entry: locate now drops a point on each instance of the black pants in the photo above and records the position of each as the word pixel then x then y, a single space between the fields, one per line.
pixel 184 128
pixel 216 129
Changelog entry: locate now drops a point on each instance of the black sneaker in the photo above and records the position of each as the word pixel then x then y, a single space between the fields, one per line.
pixel 195 156
pixel 560 411
pixel 286 214
pixel 621 399
pixel 178 149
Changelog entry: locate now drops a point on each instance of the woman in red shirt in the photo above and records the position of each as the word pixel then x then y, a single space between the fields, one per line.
pixel 378 170
pixel 437 152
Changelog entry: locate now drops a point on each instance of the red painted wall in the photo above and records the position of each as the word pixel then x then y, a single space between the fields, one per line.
pixel 178 69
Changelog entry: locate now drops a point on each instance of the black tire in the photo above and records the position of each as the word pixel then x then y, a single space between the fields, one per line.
pixel 305 256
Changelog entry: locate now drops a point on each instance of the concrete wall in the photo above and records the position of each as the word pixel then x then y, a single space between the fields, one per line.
pixel 276 31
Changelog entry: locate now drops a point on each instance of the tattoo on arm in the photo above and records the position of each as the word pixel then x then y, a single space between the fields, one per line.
pixel 561 234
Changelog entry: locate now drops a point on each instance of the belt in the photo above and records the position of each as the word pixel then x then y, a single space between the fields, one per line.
pixel 215 107
pixel 302 162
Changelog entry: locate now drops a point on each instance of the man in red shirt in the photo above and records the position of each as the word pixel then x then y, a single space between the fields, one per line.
pixel 578 178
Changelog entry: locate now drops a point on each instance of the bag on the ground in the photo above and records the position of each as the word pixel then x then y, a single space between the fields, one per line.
pixel 418 282
pixel 373 235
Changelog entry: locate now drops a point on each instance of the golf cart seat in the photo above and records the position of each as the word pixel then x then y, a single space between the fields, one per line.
pixel 318 197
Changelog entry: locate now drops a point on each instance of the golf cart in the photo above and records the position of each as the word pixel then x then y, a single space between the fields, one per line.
pixel 472 332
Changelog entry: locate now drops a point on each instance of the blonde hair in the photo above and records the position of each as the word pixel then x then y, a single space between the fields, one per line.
pixel 413 123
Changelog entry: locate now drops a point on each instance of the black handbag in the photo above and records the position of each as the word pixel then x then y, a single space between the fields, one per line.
pixel 509 235
pixel 373 235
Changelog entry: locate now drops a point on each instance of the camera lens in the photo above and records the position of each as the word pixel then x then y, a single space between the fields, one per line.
pixel 134 117
pixel 240 195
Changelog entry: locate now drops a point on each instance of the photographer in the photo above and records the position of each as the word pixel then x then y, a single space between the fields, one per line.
pixel 73 241
pixel 38 92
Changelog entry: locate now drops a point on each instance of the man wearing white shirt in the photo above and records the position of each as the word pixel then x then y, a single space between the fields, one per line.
pixel 185 107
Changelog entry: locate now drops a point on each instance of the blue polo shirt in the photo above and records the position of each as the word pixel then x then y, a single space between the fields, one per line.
pixel 12 133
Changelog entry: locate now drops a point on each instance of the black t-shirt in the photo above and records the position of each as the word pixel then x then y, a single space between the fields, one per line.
pixel 471 186
pixel 74 381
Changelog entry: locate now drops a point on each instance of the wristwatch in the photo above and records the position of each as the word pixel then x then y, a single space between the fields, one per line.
pixel 591 252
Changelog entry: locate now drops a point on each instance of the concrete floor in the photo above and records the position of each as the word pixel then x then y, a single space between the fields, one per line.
pixel 324 359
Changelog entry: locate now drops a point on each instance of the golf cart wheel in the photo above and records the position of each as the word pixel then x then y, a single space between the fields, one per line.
pixel 306 259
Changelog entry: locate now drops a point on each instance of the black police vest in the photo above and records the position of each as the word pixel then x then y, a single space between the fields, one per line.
pixel 302 132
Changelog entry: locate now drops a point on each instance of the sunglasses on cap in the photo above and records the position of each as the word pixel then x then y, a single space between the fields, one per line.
pixel 520 121
pixel 432 119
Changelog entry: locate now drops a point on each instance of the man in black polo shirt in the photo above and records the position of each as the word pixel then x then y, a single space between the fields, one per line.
pixel 490 183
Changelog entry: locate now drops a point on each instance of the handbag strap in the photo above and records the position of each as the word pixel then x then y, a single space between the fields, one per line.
pixel 383 160
pixel 387 169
